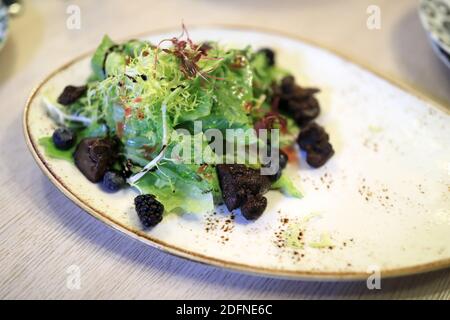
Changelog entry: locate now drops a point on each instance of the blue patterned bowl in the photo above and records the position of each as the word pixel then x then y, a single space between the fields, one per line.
pixel 435 17
pixel 3 24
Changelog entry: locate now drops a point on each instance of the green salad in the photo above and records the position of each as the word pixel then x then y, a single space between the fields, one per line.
pixel 127 124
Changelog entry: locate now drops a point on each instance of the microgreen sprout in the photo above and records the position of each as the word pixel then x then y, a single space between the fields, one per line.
pixel 188 54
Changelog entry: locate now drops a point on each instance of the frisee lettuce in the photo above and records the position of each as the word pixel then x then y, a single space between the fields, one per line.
pixel 139 93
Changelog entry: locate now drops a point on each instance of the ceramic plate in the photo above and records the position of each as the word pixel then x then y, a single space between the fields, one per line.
pixel 3 24
pixel 435 17
pixel 382 202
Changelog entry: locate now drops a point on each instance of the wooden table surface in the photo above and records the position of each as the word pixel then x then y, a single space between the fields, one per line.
pixel 43 234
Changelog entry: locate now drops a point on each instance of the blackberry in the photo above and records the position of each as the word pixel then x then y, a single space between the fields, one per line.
pixel 71 94
pixel 283 159
pixel 113 181
pixel 269 54
pixel 276 175
pixel 64 138
pixel 149 210
pixel 282 163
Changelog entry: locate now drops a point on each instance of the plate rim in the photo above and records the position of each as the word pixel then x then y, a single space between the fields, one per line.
pixel 198 257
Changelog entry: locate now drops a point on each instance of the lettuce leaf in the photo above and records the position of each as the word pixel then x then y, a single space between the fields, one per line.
pixel 52 152
pixel 127 95
pixel 178 188
pixel 115 63
pixel 286 186
pixel 99 57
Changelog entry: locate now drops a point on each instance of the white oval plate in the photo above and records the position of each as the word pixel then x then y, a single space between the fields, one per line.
pixel 3 24
pixel 383 199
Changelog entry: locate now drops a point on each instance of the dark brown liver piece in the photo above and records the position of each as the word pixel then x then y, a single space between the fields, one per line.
pixel 254 207
pixel 239 184
pixel 315 141
pixel 71 94
pixel 94 156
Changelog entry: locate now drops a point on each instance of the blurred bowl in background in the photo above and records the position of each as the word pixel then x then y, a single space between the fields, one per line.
pixel 441 53
pixel 3 24
pixel 435 17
